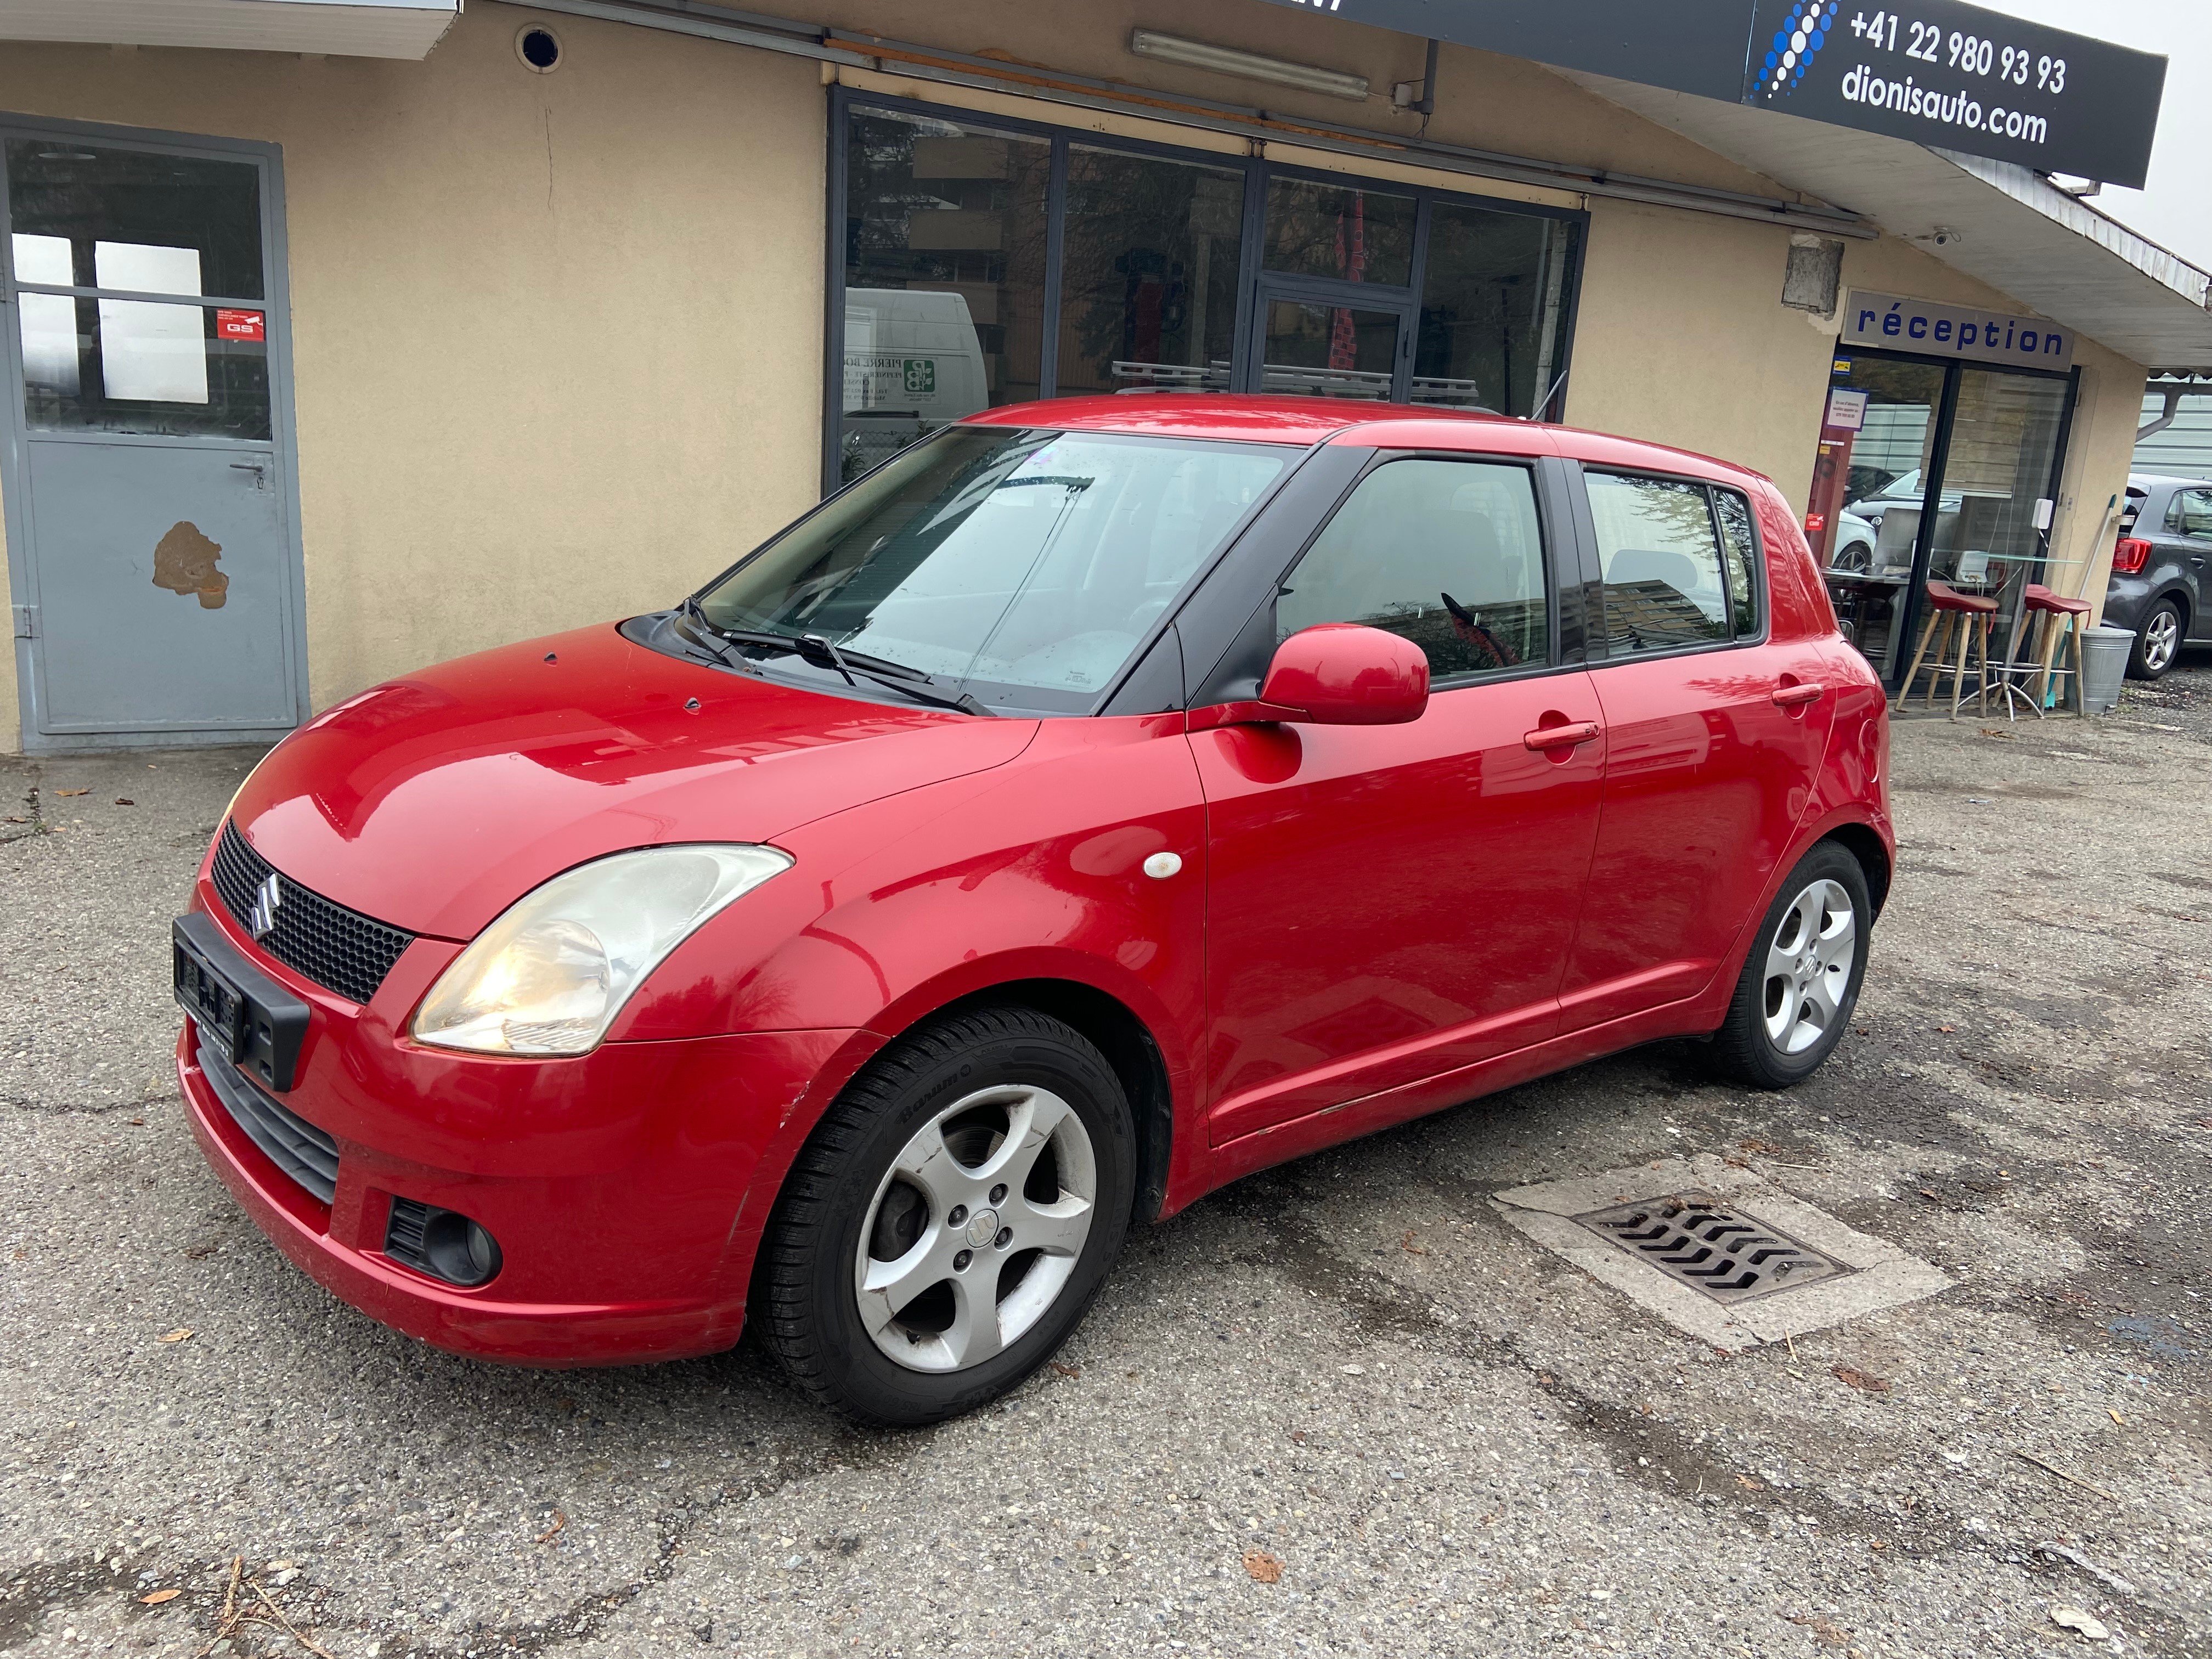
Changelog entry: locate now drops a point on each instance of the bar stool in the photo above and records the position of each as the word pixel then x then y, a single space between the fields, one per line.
pixel 2059 620
pixel 1967 616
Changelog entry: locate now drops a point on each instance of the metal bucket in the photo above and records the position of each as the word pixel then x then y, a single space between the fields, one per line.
pixel 2103 667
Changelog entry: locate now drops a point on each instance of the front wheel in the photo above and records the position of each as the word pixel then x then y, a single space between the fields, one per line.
pixel 949 1219
pixel 1800 982
pixel 2157 643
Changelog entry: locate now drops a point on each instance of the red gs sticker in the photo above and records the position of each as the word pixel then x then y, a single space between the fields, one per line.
pixel 239 325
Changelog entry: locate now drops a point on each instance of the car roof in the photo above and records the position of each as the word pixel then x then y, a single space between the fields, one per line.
pixel 1278 419
pixel 2147 481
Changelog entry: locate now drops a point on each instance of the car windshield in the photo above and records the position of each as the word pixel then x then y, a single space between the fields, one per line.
pixel 1011 564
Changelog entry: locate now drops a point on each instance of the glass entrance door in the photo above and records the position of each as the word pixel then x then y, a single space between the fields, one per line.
pixel 1869 484
pixel 1314 344
pixel 1931 471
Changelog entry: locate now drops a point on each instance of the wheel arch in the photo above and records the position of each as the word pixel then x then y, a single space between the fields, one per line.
pixel 1116 1031
pixel 1860 841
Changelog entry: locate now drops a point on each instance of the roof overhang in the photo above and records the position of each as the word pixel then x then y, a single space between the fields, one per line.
pixel 347 28
pixel 2008 227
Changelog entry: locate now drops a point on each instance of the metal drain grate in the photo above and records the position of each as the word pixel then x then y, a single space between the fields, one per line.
pixel 1696 1239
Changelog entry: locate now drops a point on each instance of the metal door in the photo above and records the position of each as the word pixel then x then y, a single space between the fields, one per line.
pixel 152 547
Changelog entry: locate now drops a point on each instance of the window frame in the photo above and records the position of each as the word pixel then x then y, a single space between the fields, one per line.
pixel 1598 637
pixel 1257 171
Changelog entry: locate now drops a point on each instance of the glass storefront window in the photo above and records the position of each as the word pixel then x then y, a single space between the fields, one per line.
pixel 1998 468
pixel 1148 297
pixel 944 255
pixel 1493 301
pixel 983 264
pixel 1339 231
pixel 1869 482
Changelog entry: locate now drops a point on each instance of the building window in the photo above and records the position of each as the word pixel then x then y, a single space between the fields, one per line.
pixel 980 262
pixel 1148 289
pixel 944 256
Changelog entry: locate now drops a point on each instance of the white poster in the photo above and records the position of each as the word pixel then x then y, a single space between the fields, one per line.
pixel 155 352
pixel 49 320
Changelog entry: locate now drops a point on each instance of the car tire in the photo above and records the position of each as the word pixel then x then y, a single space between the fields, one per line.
pixel 2158 642
pixel 896 1202
pixel 1800 983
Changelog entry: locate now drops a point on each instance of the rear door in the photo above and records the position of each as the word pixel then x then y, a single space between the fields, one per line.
pixel 2189 540
pixel 1715 732
pixel 1387 902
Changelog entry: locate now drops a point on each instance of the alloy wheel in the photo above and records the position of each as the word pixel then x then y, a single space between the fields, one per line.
pixel 975 1229
pixel 1808 967
pixel 2161 638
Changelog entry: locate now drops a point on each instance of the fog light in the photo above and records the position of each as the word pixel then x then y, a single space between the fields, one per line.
pixel 443 1243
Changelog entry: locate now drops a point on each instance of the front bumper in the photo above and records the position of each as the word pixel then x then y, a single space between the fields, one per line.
pixel 614 1182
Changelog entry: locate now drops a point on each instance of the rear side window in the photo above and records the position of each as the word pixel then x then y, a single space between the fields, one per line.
pixel 1740 555
pixel 1447 554
pixel 1659 551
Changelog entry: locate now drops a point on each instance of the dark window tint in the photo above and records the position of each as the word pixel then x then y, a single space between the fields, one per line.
pixel 1342 231
pixel 138 219
pixel 1740 552
pixel 944 305
pixel 1661 558
pixel 1148 299
pixel 1447 554
pixel 1493 299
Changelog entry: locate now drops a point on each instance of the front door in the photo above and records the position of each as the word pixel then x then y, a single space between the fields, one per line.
pixel 152 553
pixel 1387 902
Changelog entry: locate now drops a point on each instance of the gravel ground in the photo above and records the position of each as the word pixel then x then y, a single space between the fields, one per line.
pixel 1349 1371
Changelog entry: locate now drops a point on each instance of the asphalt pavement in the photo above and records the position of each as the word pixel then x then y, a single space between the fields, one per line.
pixel 1342 1408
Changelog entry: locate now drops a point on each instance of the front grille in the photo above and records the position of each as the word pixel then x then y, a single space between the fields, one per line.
pixel 342 949
pixel 1700 1243
pixel 295 1145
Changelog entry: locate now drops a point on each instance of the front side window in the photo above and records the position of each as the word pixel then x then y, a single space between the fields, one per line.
pixel 1018 566
pixel 1447 554
pixel 1660 555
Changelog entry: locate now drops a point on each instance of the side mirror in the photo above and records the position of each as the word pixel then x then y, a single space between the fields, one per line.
pixel 1336 674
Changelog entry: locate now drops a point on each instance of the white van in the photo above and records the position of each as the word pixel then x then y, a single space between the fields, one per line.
pixel 912 364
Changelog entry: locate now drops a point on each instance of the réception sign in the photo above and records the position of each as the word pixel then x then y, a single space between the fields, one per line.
pixel 1940 72
pixel 1887 322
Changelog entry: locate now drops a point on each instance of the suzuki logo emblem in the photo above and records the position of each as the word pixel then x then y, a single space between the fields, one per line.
pixel 261 918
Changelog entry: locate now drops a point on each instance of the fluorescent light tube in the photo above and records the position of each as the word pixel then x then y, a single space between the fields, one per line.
pixel 1227 60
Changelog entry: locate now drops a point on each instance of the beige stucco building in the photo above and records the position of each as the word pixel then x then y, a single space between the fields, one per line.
pixel 520 345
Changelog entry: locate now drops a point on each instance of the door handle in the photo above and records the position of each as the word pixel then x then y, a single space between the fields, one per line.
pixel 1789 696
pixel 1560 736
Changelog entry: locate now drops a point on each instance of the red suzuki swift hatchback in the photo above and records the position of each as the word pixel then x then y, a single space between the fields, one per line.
pixel 1099 801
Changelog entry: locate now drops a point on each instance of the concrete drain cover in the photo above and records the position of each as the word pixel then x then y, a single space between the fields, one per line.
pixel 1716 1252
pixel 1696 1238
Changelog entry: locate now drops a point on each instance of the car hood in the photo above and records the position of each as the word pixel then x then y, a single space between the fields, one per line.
pixel 434 801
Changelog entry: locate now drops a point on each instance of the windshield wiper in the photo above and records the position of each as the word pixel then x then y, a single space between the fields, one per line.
pixel 818 653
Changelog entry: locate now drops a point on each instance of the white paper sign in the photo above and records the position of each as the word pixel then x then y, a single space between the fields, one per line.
pixel 1846 410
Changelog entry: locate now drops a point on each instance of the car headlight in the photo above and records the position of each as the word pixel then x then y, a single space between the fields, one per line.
pixel 549 977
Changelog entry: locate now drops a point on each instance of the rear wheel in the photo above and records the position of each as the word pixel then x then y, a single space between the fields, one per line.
pixel 949 1219
pixel 2158 642
pixel 1800 982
